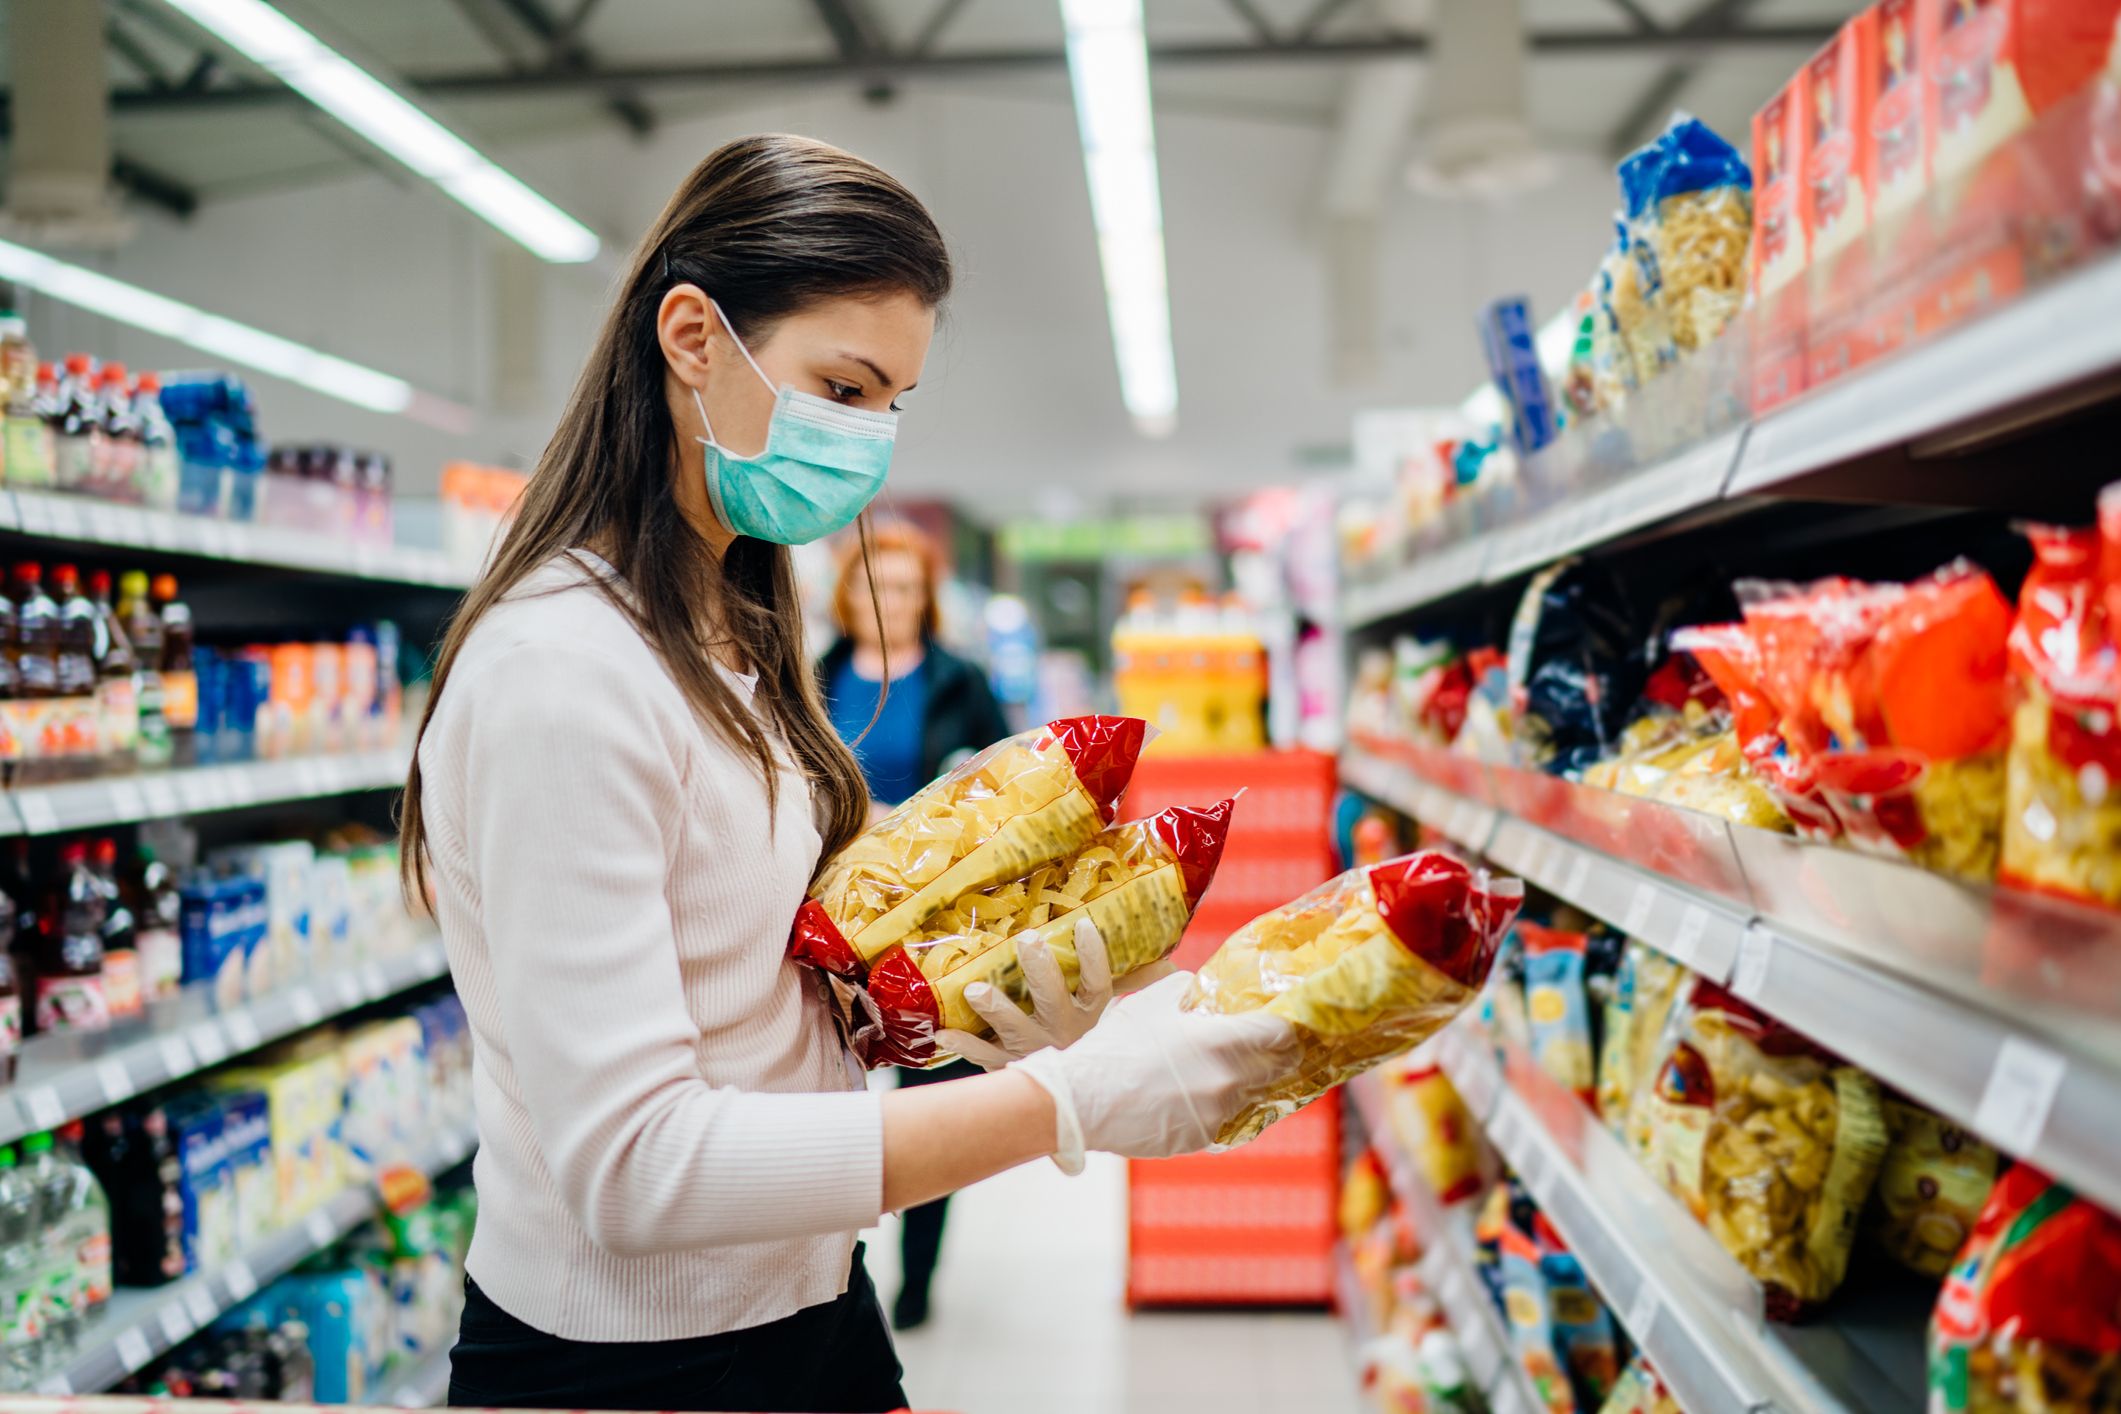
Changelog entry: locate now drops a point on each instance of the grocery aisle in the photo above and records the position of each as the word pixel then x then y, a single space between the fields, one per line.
pixel 1030 1317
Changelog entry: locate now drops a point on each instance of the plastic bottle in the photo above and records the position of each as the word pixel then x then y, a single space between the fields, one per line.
pixel 86 1224
pixel 119 478
pixel 135 1159
pixel 78 452
pixel 117 680
pixel 21 1270
pixel 74 1219
pixel 180 686
pixel 81 713
pixel 160 474
pixel 70 991
pixel 143 631
pixel 26 444
pixel 124 986
pixel 36 671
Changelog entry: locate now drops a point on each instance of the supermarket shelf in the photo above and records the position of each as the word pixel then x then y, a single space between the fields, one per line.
pixel 143 1323
pixel 1447 1267
pixel 85 521
pixel 2044 345
pixel 1683 1300
pixel 424 1386
pixel 65 1077
pixel 1994 1008
pixel 194 790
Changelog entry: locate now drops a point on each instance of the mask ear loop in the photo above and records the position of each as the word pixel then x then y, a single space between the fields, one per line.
pixel 698 402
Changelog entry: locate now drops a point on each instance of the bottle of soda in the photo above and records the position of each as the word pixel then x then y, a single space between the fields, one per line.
pixel 124 984
pixel 79 628
pixel 180 686
pixel 132 1155
pixel 70 989
pixel 22 1355
pixel 85 1234
pixel 121 435
pixel 143 631
pixel 78 453
pixel 117 679
pixel 36 672
pixel 159 469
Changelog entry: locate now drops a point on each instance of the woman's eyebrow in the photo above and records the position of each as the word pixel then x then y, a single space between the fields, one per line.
pixel 881 376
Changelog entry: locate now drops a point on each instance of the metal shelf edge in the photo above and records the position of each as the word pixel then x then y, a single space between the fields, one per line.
pixel 196 790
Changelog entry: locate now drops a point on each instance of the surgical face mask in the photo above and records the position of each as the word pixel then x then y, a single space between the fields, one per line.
pixel 821 465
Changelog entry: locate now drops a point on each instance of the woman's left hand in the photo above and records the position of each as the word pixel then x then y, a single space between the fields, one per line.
pixel 1058 1017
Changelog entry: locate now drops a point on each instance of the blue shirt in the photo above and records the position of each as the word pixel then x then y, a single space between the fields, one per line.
pixel 890 755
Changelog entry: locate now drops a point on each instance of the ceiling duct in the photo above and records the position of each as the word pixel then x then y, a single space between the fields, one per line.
pixel 59 154
pixel 1475 137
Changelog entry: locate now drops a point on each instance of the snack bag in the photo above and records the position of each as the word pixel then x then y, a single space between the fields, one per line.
pixel 1440 1131
pixel 1582 1327
pixel 2061 816
pixel 1526 1312
pixel 1364 966
pixel 1931 1186
pixel 1025 800
pixel 1769 1141
pixel 1639 1391
pixel 1138 883
pixel 1557 1004
pixel 2027 1321
pixel 1699 201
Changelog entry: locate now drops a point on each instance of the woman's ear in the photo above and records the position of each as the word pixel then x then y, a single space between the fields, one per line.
pixel 685 323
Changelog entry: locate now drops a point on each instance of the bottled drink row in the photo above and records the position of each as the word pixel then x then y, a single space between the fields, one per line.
pixel 189 1180
pixel 89 685
pixel 92 935
pixel 177 442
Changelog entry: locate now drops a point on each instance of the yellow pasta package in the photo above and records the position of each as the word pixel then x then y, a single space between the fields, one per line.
pixel 1138 883
pixel 1770 1142
pixel 1023 802
pixel 1363 967
pixel 1931 1187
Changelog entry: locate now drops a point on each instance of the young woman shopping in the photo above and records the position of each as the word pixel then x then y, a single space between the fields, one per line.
pixel 623 786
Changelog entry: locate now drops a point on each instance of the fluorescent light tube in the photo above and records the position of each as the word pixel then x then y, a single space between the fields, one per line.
pixel 210 333
pixel 1108 67
pixel 394 123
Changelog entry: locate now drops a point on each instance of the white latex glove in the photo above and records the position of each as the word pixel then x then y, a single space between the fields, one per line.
pixel 1059 1017
pixel 1153 1080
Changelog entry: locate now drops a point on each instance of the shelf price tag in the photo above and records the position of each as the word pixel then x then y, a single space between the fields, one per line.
pixel 1579 876
pixel 1686 941
pixel 1642 1311
pixel 348 989
pixel 161 798
pixel 56 1386
pixel 199 1301
pixel 2020 1092
pixel 176 1056
pixel 1640 903
pixel 374 981
pixel 116 1080
pixel 209 1044
pixel 177 1324
pixel 307 1011
pixel 133 1349
pixel 1755 949
pixel 43 1108
pixel 320 1229
pixel 126 802
pixel 243 1031
pixel 242 1284
pixel 39 815
pixel 65 520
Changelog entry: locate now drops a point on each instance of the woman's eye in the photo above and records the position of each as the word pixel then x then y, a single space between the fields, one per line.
pixel 845 392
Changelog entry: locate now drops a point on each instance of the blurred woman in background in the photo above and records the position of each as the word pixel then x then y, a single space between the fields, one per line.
pixel 938 710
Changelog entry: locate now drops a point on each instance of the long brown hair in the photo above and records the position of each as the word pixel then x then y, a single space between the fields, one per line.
pixel 768 226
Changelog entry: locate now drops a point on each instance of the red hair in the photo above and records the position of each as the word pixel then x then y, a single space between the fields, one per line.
pixel 856 556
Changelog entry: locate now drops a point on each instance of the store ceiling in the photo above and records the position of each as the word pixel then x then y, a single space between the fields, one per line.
pixel 194 123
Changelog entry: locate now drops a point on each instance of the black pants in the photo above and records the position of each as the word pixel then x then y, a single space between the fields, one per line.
pixel 920 1233
pixel 835 1358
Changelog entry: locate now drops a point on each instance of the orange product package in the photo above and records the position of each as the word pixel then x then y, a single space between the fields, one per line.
pixel 2029 1320
pixel 1731 657
pixel 1138 883
pixel 1780 250
pixel 1437 1129
pixel 1363 967
pixel 1834 198
pixel 2062 818
pixel 1996 65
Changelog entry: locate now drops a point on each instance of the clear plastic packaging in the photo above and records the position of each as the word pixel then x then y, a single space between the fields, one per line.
pixel 1699 205
pixel 1931 1188
pixel 1024 801
pixel 1365 966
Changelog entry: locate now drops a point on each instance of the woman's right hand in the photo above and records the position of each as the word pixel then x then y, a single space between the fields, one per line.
pixel 1152 1080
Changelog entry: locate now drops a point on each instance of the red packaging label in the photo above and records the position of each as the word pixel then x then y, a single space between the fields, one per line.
pixel 1834 205
pixel 1899 162
pixel 1778 154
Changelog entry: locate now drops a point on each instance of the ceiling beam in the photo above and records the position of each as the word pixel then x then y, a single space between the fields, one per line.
pixel 155 188
pixel 1254 20
pixel 852 27
pixel 564 50
pixel 127 46
pixel 931 31
pixel 1639 19
pixel 1321 15
pixel 1644 116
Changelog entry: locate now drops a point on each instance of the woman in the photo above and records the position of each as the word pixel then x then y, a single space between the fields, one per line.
pixel 624 785
pixel 936 710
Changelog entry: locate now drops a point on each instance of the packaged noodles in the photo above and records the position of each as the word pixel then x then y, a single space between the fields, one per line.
pixel 1931 1187
pixel 1138 883
pixel 1024 801
pixel 1697 198
pixel 1770 1142
pixel 1557 1003
pixel 2025 1323
pixel 1364 966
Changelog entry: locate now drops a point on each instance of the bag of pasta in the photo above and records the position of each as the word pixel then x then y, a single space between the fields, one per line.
pixel 1769 1141
pixel 1363 967
pixel 1697 211
pixel 1138 883
pixel 1640 1000
pixel 2062 815
pixel 1931 1187
pixel 2029 1321
pixel 1024 801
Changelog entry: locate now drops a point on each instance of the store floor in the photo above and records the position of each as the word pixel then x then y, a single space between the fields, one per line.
pixel 1029 1317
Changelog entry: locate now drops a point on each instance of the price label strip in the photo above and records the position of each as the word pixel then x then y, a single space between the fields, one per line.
pixel 242 1284
pixel 1686 942
pixel 177 1324
pixel 43 1108
pixel 200 1303
pixel 243 1031
pixel 116 1080
pixel 176 1057
pixel 133 1349
pixel 1640 903
pixel 2019 1095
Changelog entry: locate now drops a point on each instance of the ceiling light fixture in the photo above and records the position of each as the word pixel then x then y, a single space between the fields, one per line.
pixel 1108 66
pixel 238 343
pixel 378 112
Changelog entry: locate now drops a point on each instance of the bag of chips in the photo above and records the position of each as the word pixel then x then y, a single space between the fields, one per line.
pixel 1138 882
pixel 1364 966
pixel 1024 801
pixel 2026 1322
pixel 1528 1315
pixel 1931 1187
pixel 1584 1334
pixel 2062 815
pixel 1557 1003
pixel 1771 1143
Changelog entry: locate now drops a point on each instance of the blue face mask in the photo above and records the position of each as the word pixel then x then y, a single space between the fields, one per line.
pixel 823 462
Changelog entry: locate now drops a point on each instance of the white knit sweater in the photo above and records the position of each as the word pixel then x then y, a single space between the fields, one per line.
pixel 668 1142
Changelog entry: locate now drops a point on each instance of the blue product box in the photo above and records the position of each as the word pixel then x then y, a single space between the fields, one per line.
pixel 205 1184
pixel 246 1130
pixel 1512 348
pixel 211 921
